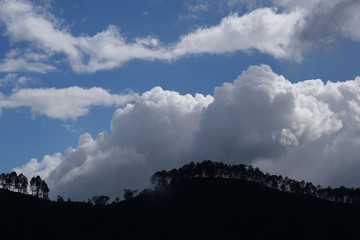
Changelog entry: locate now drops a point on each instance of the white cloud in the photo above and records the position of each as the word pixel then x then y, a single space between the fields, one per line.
pixel 11 77
pixel 195 9
pixel 263 29
pixel 71 128
pixel 261 115
pixel 104 50
pixel 108 49
pixel 15 61
pixel 250 4
pixel 66 103
pixel 42 168
pixel 306 130
pixel 146 136
pixel 284 33
pixel 14 79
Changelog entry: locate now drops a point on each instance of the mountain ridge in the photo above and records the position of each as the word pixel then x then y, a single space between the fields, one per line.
pixel 197 208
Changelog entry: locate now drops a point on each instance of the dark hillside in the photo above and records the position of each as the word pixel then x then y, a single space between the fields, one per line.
pixel 213 208
pixel 28 217
pixel 198 208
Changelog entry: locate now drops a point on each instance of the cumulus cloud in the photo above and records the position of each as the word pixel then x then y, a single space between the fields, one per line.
pixel 262 115
pixel 146 136
pixel 285 31
pixel 306 130
pixel 66 103
pixel 42 168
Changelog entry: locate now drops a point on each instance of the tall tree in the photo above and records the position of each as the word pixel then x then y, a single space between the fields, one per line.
pixel 3 180
pixel 44 190
pixel 23 183
pixel 35 186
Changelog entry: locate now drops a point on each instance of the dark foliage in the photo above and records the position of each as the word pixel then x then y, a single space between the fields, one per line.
pixel 208 169
pixel 194 208
pixel 100 200
pixel 60 199
pixel 188 204
pixel 19 183
pixel 128 193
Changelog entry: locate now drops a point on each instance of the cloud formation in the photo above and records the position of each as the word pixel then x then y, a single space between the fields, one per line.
pixel 146 136
pixel 65 103
pixel 16 61
pixel 325 21
pixel 14 79
pixel 285 31
pixel 306 130
pixel 25 22
pixel 263 29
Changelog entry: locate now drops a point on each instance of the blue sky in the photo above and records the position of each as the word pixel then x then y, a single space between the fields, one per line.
pixel 66 66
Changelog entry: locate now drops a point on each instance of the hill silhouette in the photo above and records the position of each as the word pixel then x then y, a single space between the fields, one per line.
pixel 196 208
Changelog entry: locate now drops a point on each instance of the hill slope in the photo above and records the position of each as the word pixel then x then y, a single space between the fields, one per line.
pixel 207 208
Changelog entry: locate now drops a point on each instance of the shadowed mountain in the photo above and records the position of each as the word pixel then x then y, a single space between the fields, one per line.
pixel 197 208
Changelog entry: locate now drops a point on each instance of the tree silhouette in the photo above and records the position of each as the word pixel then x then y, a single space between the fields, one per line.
pixel 3 180
pixel 10 181
pixel 35 183
pixel 100 200
pixel 209 169
pixel 22 183
pixel 44 190
pixel 128 193
pixel 160 178
pixel 19 183
pixel 39 188
pixel 60 199
pixel 116 200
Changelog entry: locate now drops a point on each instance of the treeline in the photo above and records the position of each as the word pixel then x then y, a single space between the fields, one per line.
pixel 249 173
pixel 19 183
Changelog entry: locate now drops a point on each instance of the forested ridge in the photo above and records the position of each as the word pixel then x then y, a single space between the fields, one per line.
pixel 19 183
pixel 211 169
pixel 205 200
pixel 205 169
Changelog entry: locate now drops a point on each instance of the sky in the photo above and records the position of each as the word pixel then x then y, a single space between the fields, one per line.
pixel 95 96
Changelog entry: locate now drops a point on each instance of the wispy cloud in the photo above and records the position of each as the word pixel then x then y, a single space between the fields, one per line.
pixel 66 103
pixel 195 9
pixel 262 29
pixel 14 79
pixel 286 32
pixel 104 50
pixel 16 61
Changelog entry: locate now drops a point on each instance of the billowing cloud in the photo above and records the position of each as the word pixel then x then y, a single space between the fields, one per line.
pixel 285 31
pixel 306 130
pixel 262 115
pixel 66 103
pixel 42 168
pixel 151 134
